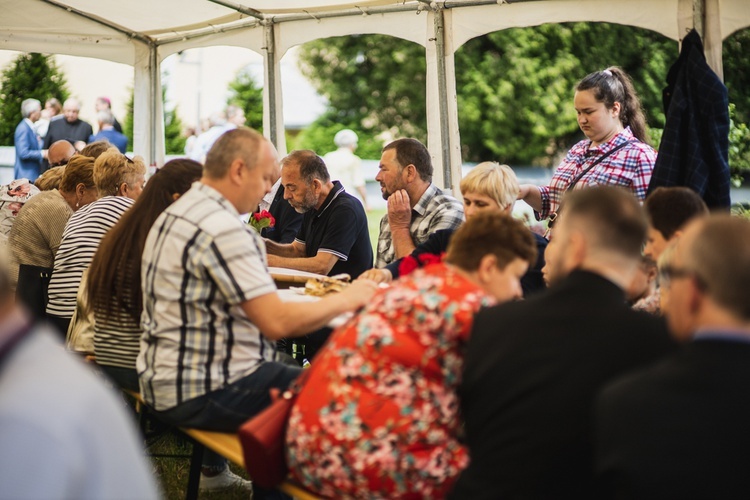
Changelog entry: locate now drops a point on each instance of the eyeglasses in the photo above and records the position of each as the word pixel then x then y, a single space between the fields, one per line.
pixel 669 273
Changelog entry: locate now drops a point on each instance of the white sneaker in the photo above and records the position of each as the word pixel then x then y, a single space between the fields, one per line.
pixel 223 480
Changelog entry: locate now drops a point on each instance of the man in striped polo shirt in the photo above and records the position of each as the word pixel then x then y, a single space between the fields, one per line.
pixel 211 313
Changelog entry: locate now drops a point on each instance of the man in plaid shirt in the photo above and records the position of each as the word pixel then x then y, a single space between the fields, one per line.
pixel 416 207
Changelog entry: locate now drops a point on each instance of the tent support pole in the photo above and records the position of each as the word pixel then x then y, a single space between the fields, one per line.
pixel 273 124
pixel 442 84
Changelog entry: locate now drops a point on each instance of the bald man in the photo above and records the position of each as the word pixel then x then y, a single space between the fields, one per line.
pixel 59 153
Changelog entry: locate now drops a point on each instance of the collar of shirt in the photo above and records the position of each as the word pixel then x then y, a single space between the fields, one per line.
pixel 29 123
pixel 428 195
pixel 216 196
pixel 625 135
pixel 724 334
pixel 335 192
pixel 265 203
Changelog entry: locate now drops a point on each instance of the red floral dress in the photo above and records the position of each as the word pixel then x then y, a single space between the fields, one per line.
pixel 378 417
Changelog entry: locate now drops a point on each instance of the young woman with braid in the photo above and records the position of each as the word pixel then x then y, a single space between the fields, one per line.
pixel 114 278
pixel 611 118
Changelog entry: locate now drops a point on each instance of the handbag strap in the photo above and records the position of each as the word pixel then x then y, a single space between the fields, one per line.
pixel 597 162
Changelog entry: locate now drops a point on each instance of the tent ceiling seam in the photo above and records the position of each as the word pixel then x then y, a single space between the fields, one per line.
pixel 133 34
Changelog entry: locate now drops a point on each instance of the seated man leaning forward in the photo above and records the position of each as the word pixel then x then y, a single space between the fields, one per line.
pixel 334 238
pixel 210 307
pixel 378 416
pixel 416 207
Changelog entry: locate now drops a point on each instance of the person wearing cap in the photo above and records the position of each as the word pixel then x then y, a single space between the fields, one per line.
pixel 346 167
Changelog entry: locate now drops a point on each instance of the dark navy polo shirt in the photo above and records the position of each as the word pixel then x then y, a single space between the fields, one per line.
pixel 339 228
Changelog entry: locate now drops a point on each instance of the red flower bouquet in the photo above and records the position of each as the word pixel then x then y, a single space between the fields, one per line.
pixel 261 220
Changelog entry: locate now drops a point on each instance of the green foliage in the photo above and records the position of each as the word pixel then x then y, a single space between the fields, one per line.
pixel 739 147
pixel 319 137
pixel 515 87
pixel 736 60
pixel 374 84
pixel 29 76
pixel 248 95
pixel 174 139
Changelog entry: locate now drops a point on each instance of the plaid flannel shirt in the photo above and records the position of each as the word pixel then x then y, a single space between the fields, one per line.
pixel 630 167
pixel 434 210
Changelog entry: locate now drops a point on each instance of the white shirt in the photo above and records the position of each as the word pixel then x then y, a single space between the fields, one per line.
pixel 345 167
pixel 63 434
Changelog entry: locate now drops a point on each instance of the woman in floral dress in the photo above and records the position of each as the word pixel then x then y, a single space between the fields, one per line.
pixel 378 416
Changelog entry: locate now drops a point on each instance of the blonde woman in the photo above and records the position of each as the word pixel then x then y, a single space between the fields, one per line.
pixel 488 186
pixel 119 181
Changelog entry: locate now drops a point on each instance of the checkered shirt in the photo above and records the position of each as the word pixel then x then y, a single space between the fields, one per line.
pixel 200 263
pixel 434 210
pixel 630 167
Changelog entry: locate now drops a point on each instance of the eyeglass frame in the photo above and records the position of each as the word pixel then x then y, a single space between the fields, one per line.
pixel 669 273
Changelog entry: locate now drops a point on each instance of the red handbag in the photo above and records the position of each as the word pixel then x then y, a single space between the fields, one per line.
pixel 262 437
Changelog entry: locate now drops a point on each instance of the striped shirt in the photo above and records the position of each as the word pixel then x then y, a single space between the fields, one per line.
pixel 434 210
pixel 630 167
pixel 80 239
pixel 200 263
pixel 117 337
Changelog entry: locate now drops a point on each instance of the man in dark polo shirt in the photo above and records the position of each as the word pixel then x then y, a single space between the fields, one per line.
pixel 334 237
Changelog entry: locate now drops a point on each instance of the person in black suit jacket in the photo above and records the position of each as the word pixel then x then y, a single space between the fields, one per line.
pixel 533 368
pixel 288 220
pixel 679 429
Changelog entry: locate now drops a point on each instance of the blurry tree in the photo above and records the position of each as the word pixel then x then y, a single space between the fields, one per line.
pixel 736 59
pixel 174 138
pixel 515 87
pixel 248 95
pixel 28 76
pixel 375 85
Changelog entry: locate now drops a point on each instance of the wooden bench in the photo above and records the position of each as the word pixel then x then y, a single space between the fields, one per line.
pixel 225 444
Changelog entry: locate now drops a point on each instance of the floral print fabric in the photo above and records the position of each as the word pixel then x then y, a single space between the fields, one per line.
pixel 378 417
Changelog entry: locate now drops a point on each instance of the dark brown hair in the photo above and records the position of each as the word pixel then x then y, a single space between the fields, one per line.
pixel 670 208
pixel 413 152
pixel 614 85
pixel 114 278
pixel 491 232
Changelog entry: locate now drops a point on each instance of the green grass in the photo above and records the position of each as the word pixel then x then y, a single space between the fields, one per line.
pixel 373 223
pixel 173 472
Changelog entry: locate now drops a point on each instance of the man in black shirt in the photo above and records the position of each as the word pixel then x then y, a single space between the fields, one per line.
pixel 71 129
pixel 334 237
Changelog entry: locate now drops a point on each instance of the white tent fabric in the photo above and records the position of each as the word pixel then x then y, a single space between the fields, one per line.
pixel 144 32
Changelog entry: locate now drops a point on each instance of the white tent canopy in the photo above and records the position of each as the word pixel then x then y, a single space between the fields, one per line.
pixel 144 32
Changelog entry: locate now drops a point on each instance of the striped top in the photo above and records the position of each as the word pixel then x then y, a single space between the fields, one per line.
pixel 117 338
pixel 81 238
pixel 200 263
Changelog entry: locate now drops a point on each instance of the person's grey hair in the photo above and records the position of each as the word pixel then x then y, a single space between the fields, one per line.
pixel 242 142
pixel 105 116
pixel 718 256
pixel 72 102
pixel 311 166
pixel 28 106
pixel 232 111
pixel 345 138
